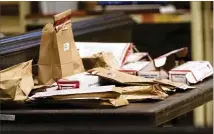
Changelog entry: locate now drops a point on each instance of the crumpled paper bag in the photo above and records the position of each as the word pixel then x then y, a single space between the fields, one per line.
pixel 90 92
pixel 139 93
pixel 94 102
pixel 102 59
pixel 98 102
pixel 16 82
pixel 103 96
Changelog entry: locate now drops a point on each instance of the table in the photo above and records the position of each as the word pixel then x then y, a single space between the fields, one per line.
pixel 135 114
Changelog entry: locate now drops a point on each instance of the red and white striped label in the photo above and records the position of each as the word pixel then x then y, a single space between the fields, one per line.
pixel 66 84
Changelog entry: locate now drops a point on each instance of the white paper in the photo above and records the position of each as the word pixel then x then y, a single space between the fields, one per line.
pixel 74 91
pixel 119 50
pixel 136 65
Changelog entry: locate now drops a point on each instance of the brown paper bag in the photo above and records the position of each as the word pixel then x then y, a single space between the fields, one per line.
pixel 16 82
pixel 92 92
pixel 58 56
pixel 120 77
pixel 103 96
pixel 95 102
pixel 138 93
pixel 118 102
pixel 102 59
pixel 174 84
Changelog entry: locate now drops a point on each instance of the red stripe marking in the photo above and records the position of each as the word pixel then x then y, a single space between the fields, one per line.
pixel 181 70
pixel 76 84
pixel 127 53
pixel 132 72
pixel 62 20
pixel 67 82
pixel 194 76
pixel 127 70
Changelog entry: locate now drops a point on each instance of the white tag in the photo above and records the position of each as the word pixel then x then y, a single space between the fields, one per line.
pixel 150 74
pixel 7 117
pixel 66 46
pixel 178 78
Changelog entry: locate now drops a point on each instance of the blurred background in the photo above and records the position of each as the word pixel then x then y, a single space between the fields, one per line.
pixel 153 26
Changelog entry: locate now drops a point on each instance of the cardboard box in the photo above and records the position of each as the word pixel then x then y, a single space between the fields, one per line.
pixel 171 59
pixel 114 77
pixel 159 67
pixel 146 69
pixel 84 80
pixel 138 56
pixel 68 84
pixel 191 72
pixel 119 50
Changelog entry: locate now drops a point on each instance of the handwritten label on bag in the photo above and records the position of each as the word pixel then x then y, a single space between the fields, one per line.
pixel 66 46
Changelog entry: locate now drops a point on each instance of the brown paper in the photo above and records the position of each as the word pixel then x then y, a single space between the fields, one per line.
pixel 112 94
pixel 16 82
pixel 58 56
pixel 168 88
pixel 99 102
pixel 118 102
pixel 86 102
pixel 101 96
pixel 120 77
pixel 102 59
pixel 135 93
pixel 174 84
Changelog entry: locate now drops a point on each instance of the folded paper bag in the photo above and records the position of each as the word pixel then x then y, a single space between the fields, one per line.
pixel 87 97
pixel 16 82
pixel 119 77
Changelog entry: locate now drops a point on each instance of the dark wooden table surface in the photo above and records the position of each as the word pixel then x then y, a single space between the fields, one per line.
pixel 144 113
